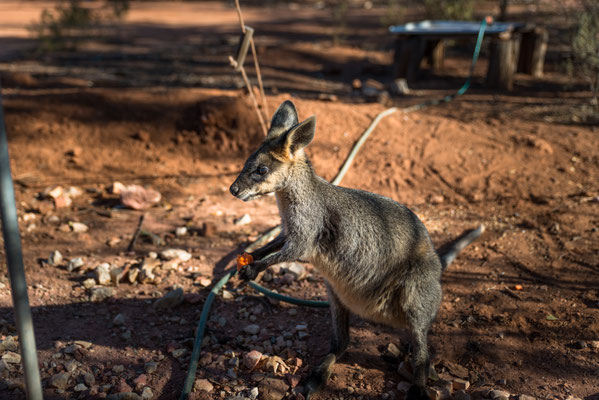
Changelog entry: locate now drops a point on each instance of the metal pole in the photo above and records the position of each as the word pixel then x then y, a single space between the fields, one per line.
pixel 16 271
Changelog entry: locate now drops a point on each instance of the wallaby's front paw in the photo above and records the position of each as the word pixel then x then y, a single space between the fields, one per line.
pixel 249 272
pixel 417 393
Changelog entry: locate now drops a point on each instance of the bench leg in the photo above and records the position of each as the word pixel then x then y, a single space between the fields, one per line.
pixel 503 61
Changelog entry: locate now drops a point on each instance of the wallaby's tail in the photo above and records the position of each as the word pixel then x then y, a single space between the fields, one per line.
pixel 449 251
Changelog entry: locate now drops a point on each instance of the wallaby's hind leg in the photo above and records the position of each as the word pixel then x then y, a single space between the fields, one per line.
pixel 339 341
pixel 421 363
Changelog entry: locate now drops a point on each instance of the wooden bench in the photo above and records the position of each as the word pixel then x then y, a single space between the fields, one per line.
pixel 515 47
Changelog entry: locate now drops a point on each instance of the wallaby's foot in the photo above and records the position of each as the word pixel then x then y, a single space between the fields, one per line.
pixel 315 382
pixel 417 393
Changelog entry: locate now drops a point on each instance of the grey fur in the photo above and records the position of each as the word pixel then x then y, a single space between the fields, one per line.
pixel 375 254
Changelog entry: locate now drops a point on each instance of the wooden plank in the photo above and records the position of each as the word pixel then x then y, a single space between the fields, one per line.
pixel 532 51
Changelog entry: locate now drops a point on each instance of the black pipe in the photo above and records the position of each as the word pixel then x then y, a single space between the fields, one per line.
pixel 16 271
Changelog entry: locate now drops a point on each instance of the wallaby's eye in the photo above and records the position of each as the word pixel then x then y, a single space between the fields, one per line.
pixel 263 170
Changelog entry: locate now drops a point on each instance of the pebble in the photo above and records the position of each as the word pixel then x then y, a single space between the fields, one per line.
pixel 89 379
pixel 245 219
pixel 89 283
pixel 526 397
pixel 140 381
pixel 102 274
pixel 78 227
pixel 227 295
pixel 460 384
pixel 301 327
pixel 391 350
pixel 254 393
pixel 74 264
pixel 594 344
pixel 55 258
pixel 204 282
pixel 298 271
pixel 12 357
pixel 71 365
pixel 181 231
pixel 171 254
pixel 59 381
pixel 147 393
pixel 252 329
pixel 203 384
pixel 151 367
pixel 9 344
pixel 118 369
pixel 170 300
pixel 80 387
pixel 119 320
pixel 496 394
pixel 272 389
pixel 178 353
pixel 251 359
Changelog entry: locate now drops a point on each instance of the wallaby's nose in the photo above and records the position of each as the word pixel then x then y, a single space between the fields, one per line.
pixel 234 189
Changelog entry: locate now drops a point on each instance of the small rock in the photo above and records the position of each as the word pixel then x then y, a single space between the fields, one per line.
pixel 461 395
pixel 272 389
pixel 254 393
pixel 74 264
pixel 178 353
pixel 133 274
pixel 9 344
pixel 252 329
pixel 181 231
pixel 89 379
pixel 62 201
pixel 245 219
pixel 227 295
pixel 89 283
pixel 594 344
pixel 12 357
pixel 392 351
pixel 301 327
pixel 171 254
pixel 59 381
pixel 123 387
pixel 204 282
pixel 55 258
pixel 293 380
pixel 147 393
pixel 203 385
pixel 80 387
pixel 102 274
pixel 298 270
pixel 78 227
pixel 72 365
pixel 139 198
pixel 170 300
pixel 251 359
pixel 526 397
pixel 116 188
pixel 438 393
pixel 356 84
pixel 119 320
pixel 140 381
pixel 151 367
pixel 118 369
pixel 460 384
pixel 496 394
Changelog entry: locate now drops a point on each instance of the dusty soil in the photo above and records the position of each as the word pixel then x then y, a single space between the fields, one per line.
pixel 521 306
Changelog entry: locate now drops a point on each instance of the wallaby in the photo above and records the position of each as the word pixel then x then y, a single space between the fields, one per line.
pixel 376 256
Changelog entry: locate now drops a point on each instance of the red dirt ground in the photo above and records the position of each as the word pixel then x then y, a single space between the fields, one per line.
pixel 518 162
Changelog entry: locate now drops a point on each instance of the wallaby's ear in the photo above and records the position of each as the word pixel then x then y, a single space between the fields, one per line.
pixel 300 135
pixel 284 119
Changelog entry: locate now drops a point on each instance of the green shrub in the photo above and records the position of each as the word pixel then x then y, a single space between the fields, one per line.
pixel 70 22
pixel 585 48
pixel 449 9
